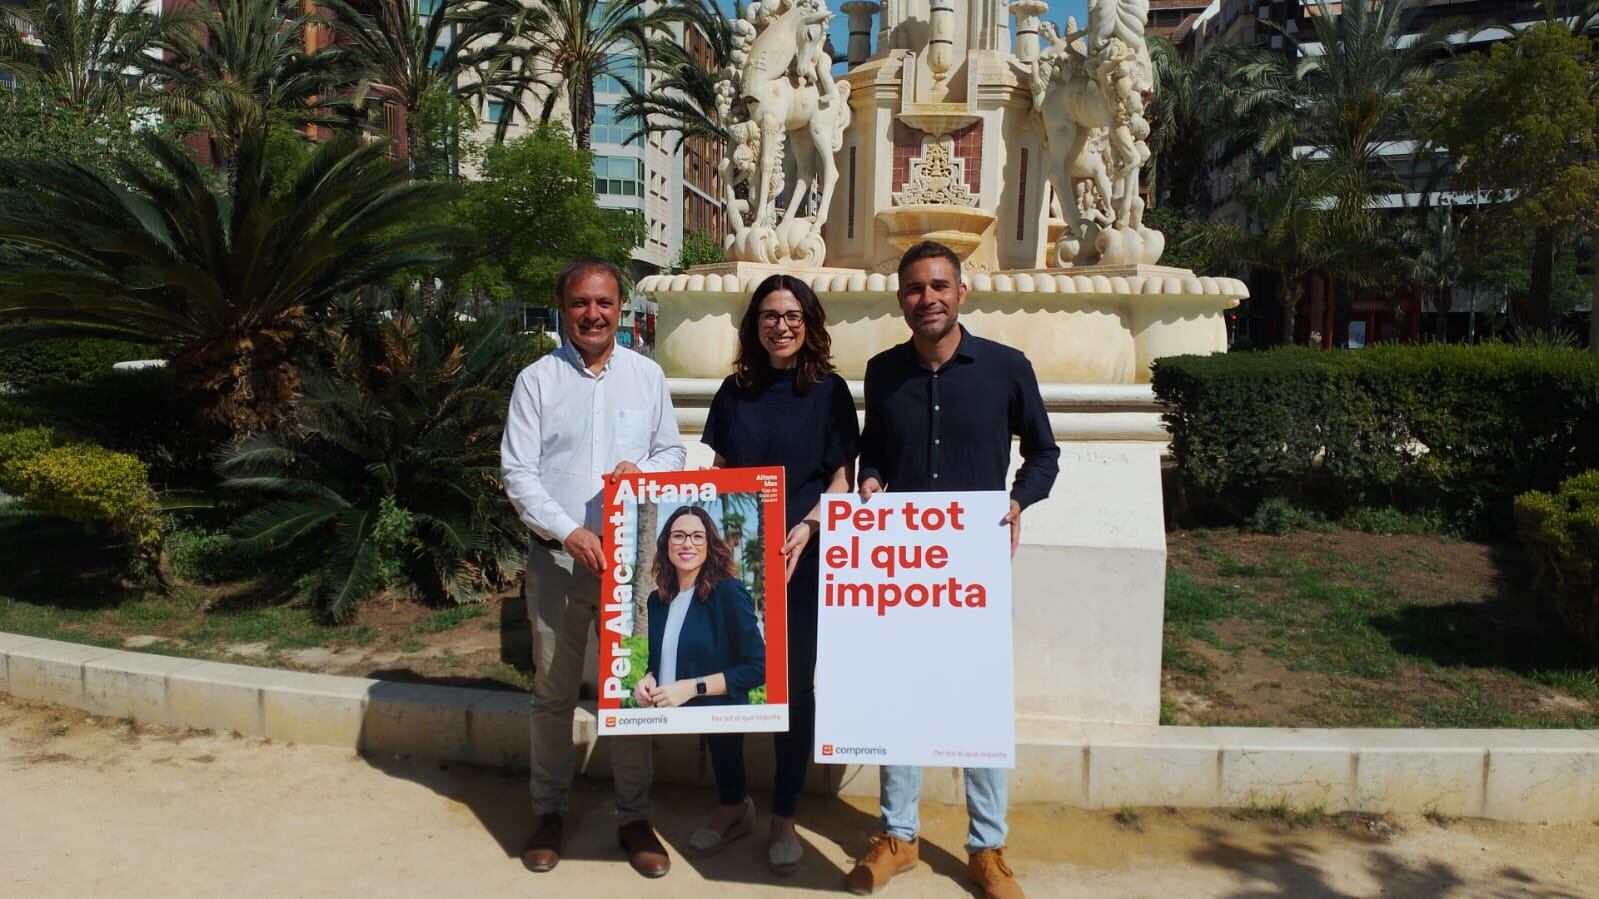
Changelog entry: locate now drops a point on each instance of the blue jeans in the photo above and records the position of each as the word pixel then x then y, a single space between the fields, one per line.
pixel 901 797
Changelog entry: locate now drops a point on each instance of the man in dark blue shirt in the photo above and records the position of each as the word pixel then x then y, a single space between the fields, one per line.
pixel 941 409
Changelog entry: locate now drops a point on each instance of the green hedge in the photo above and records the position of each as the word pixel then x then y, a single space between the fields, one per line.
pixel 140 412
pixel 1455 428
pixel 1561 532
pixel 60 360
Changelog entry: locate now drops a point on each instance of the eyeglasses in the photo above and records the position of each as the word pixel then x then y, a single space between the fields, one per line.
pixel 682 538
pixel 793 318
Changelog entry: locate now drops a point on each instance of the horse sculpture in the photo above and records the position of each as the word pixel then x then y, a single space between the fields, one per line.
pixel 779 94
pixel 1092 94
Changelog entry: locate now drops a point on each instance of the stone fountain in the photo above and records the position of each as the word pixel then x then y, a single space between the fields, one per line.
pixel 1019 147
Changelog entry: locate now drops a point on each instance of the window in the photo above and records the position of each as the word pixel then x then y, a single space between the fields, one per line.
pixel 610 129
pixel 618 176
pixel 619 70
pixel 428 7
pixel 496 111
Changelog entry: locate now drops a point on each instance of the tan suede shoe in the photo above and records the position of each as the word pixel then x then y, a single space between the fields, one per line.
pixel 988 870
pixel 887 857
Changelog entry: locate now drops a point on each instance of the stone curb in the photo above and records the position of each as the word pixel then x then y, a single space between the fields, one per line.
pixel 1514 775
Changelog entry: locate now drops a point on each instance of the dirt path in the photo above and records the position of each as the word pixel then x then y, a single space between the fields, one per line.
pixel 93 807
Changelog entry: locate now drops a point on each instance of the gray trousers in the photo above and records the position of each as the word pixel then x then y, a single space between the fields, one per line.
pixel 562 601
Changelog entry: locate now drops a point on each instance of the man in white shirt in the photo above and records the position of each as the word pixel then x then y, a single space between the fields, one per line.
pixel 589 410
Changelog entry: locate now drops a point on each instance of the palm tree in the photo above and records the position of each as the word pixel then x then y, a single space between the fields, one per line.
pixel 1353 86
pixel 247 70
pixel 570 44
pixel 390 474
pixel 644 569
pixel 1432 256
pixel 1208 111
pixel 681 97
pixel 1295 229
pixel 229 283
pixel 407 56
pixel 93 51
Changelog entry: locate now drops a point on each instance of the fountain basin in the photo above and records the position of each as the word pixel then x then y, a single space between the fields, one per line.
pixel 1086 325
pixel 958 227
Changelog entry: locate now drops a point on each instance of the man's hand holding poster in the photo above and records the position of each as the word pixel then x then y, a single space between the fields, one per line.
pixel 914 662
pixel 693 603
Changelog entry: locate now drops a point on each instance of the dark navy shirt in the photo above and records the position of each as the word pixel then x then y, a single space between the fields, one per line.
pixel 810 434
pixel 951 429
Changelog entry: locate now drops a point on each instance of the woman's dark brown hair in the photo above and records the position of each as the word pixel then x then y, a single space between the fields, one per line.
pixel 718 565
pixel 753 368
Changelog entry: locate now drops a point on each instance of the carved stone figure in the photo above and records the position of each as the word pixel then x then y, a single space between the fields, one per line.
pixel 785 98
pixel 1089 87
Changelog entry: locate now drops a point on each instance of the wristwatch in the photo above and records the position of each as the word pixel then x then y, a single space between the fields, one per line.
pixel 699 686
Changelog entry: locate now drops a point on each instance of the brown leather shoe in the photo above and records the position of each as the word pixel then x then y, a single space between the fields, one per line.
pixel 988 870
pixel 543 849
pixel 887 857
pixel 644 849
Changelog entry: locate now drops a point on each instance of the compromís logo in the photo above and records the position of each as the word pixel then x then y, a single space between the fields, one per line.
pixel 853 752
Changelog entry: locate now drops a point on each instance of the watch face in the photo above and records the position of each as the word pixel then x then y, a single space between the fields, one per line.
pixel 699 687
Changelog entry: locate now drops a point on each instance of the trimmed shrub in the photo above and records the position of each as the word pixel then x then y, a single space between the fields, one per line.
pixel 137 412
pixel 61 360
pixel 1561 532
pixel 1452 429
pixel 93 485
pixel 24 443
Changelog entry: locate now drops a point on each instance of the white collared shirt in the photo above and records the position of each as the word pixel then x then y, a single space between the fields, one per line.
pixel 567 428
pixel 676 612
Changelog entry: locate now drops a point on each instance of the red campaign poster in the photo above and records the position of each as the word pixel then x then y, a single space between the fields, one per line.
pixel 693 612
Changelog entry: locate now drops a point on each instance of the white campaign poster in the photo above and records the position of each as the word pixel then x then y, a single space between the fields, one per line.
pixel 914 658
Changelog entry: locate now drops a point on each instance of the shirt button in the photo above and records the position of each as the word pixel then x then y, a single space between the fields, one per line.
pixel 935 441
pixel 935 408
pixel 935 475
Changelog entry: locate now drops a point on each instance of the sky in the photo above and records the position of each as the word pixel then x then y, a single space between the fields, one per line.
pixel 1058 11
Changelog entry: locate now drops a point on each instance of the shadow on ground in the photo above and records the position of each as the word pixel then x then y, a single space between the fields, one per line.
pixel 1292 869
pixel 1517 628
pixel 498 800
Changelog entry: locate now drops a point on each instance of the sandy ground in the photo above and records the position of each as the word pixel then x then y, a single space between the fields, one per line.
pixel 93 807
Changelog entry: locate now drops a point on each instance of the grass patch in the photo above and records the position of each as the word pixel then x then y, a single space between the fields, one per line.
pixel 1583 684
pixel 1191 606
pixel 1415 631
pixel 449 619
pixel 1284 813
pixel 506 674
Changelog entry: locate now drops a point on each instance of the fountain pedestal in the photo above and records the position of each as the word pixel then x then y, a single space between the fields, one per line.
pixel 949 138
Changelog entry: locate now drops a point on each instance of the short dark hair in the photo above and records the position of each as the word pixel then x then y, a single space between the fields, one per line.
pixel 583 265
pixel 929 249
pixel 754 367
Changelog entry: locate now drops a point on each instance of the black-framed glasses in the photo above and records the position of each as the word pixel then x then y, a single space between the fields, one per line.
pixel 681 538
pixel 770 317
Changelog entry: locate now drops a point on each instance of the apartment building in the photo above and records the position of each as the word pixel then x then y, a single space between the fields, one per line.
pixel 673 186
pixel 1422 179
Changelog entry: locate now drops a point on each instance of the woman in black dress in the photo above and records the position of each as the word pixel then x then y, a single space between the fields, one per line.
pixel 784 405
